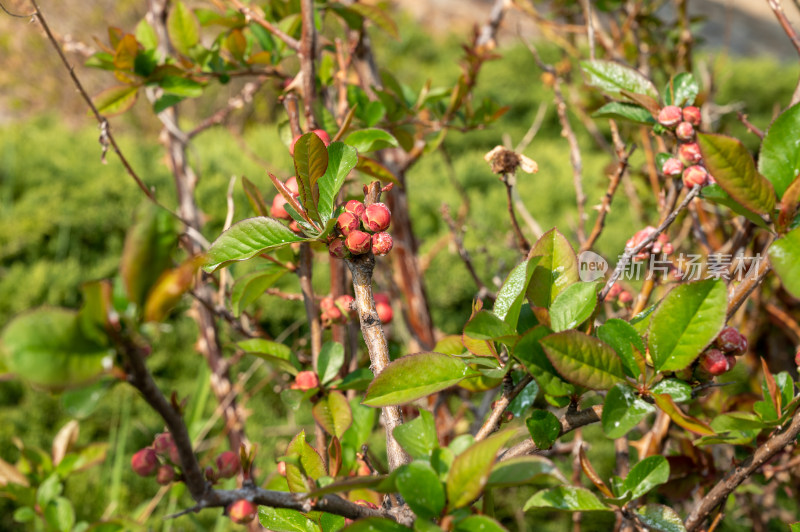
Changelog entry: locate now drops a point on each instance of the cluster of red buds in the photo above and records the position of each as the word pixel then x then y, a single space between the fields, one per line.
pixel 362 229
pixel 689 162
pixel 619 294
pixel 160 459
pixel 661 245
pixel 720 357
pixel 338 310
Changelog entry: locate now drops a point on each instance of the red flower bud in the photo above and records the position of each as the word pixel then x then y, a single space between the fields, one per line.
pixel 731 361
pixel 662 245
pixel 228 464
pixel 714 362
pixel 305 380
pixel 385 313
pixel 692 115
pixel 690 153
pixel 670 115
pixel 614 291
pixel 358 242
pixel 625 297
pixel 382 243
pixel 695 175
pixel 323 136
pixel 376 217
pixel 210 474
pixel 278 210
pixel 242 511
pixel 326 303
pixel 291 184
pixel 144 462
pixel 731 341
pixel 355 207
pixel 282 469
pixel 797 359
pixel 347 222
pixel 165 446
pixel 294 226
pixel 346 304
pixel 684 131
pixel 165 475
pixel 331 315
pixel 380 297
pixel 672 167
pixel 337 249
pixel 291 146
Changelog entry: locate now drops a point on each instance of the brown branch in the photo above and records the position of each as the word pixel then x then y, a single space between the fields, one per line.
pixel 569 422
pixel 605 205
pixel 777 9
pixel 746 287
pixel 742 472
pixel 251 14
pixel 750 127
pixel 495 417
pixel 629 253
pixel 522 243
pixel 308 47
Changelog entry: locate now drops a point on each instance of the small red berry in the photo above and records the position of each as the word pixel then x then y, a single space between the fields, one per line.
pixel 692 115
pixel 278 210
pixel 228 464
pixel 672 167
pixel 385 313
pixel 690 153
pixel 242 511
pixel 376 217
pixel 337 249
pixel 165 475
pixel 714 362
pixel 670 115
pixel 144 462
pixel 358 242
pixel 380 297
pixel 684 131
pixel 382 243
pixel 625 297
pixel 731 341
pixel 305 380
pixel 355 207
pixel 282 469
pixel 614 291
pixel 346 304
pixel 165 446
pixel 347 222
pixel 695 175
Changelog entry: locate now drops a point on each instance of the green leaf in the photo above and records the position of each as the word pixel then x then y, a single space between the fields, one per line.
pixel 556 270
pixel 48 348
pixel 519 406
pixel 681 90
pixel 373 168
pixel 573 306
pixel 341 159
pixel 470 470
pixel 715 194
pixel 421 488
pixel 544 428
pixel 584 360
pixel 183 87
pixel 414 376
pixel 81 402
pixel 356 380
pixel 613 78
pixel 183 28
pixel 361 429
pixel 116 100
pixel 523 470
pixel 621 335
pixel 170 287
pixel 625 111
pixel 646 475
pixel 331 358
pixel 251 286
pixel 60 514
pixel 376 524
pixel 273 352
pixel 730 163
pixel 418 437
pixel 309 464
pixel 248 238
pixel 660 518
pixel 686 322
pixel 567 498
pixel 784 254
pixel 146 35
pixel 371 139
pixel 479 523
pixel 485 325
pixel 679 390
pixel 737 421
pixel 285 520
pixel 529 351
pixel 24 514
pixel 623 410
pixel 310 164
pixel 779 159
pixel 511 296
pixel 665 403
pixel 332 412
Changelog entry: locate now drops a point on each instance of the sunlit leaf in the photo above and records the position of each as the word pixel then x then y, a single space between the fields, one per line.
pixel 779 159
pixel 584 360
pixel 246 239
pixel 556 270
pixel 614 78
pixel 470 470
pixel 623 410
pixel 567 498
pixel 784 254
pixel 332 412
pixel 183 28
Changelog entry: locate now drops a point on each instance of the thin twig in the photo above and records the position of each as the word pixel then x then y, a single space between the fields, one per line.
pixel 496 416
pixel 308 50
pixel 251 14
pixel 750 127
pixel 777 9
pixel 629 253
pixel 458 240
pixel 569 422
pixel 522 242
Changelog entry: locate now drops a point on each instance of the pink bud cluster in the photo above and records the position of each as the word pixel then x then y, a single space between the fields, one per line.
pixel 162 458
pixel 721 356
pixel 619 294
pixel 688 163
pixel 362 229
pixel 336 311
pixel 661 245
